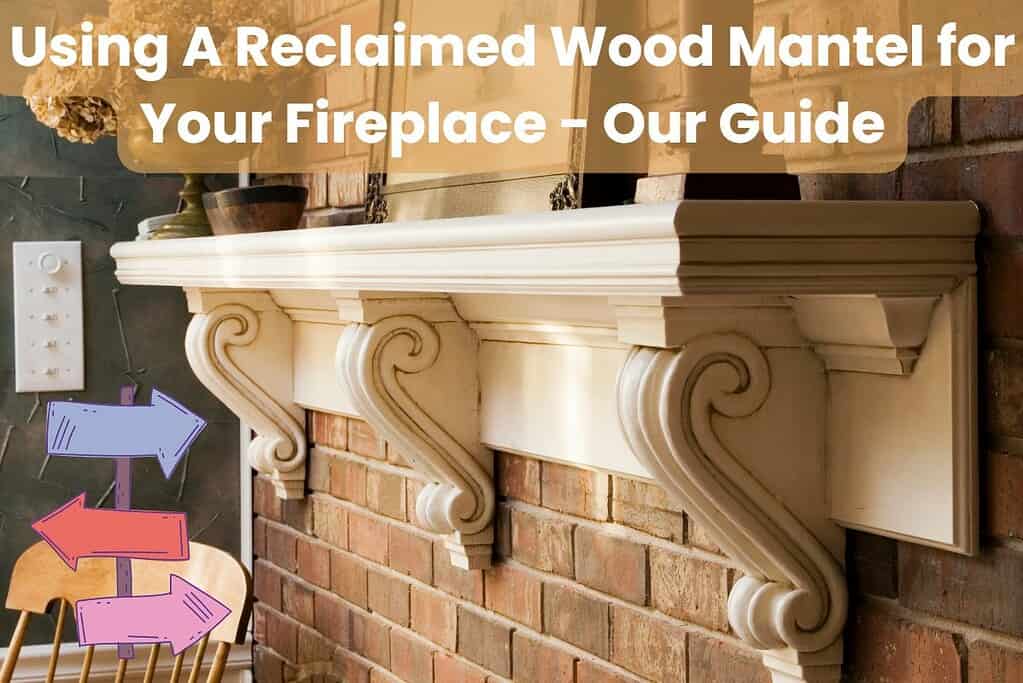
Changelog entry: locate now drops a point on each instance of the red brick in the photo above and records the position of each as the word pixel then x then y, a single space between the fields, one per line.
pixel 448 669
pixel 411 658
pixel 651 647
pixel 698 537
pixel 873 564
pixel 349 579
pixel 313 648
pixel 389 597
pixel 282 635
pixel 266 584
pixel 413 487
pixel 259 611
pixel 363 440
pixel 267 667
pixel 1004 497
pixel 330 430
pixel 992 181
pixel 535 660
pixel 371 638
pixel 882 186
pixel 348 481
pixel 587 671
pixel 576 618
pixel 385 494
pixel 333 618
pixel 1001 276
pixel 714 661
pixel 457 582
pixel 367 537
pixel 259 537
pixel 515 594
pixel 350 668
pixel 434 616
pixel 575 491
pixel 542 542
pixel 484 641
pixel 983 591
pixel 930 122
pixel 991 663
pixel 646 507
pixel 990 118
pixel 314 562
pixel 282 547
pixel 502 533
pixel 518 477
pixel 689 588
pixel 880 647
pixel 298 514
pixel 1005 390
pixel 395 458
pixel 410 553
pixel 298 601
pixel 318 471
pixel 379 675
pixel 265 502
pixel 330 521
pixel 611 564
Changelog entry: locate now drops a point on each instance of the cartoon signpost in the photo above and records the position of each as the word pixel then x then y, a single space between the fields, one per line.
pixel 165 429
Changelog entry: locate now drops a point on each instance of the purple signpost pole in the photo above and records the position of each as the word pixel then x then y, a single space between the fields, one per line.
pixel 122 501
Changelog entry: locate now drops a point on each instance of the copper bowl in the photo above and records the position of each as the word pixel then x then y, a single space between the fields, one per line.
pixel 264 208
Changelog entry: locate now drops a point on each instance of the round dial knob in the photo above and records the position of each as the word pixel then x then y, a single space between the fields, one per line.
pixel 50 263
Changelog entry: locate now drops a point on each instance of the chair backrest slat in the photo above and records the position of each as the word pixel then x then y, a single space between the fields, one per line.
pixel 86 664
pixel 58 633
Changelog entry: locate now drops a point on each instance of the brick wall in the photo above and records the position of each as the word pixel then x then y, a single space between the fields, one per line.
pixel 600 578
pixel 597 579
pixel 920 614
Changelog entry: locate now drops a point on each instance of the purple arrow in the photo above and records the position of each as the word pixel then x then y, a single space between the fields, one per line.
pixel 165 429
pixel 180 617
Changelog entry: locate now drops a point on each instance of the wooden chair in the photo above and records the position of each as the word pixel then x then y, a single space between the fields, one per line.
pixel 40 577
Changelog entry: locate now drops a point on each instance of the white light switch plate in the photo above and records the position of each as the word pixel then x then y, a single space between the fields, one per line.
pixel 49 340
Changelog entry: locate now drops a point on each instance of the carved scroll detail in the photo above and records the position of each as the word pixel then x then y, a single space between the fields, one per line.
pixel 794 593
pixel 461 500
pixel 279 449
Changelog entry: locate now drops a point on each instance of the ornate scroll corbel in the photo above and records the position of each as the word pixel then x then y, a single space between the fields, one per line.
pixel 239 346
pixel 792 601
pixel 379 363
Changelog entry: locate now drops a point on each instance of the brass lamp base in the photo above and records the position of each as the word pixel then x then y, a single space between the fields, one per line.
pixel 190 221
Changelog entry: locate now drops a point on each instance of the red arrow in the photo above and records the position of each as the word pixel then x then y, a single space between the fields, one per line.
pixel 74 531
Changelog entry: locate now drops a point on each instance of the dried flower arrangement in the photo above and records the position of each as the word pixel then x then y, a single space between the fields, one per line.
pixel 81 103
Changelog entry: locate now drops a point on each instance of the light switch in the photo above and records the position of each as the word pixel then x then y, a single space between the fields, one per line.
pixel 49 340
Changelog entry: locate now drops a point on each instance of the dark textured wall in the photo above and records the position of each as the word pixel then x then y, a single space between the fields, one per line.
pixel 50 206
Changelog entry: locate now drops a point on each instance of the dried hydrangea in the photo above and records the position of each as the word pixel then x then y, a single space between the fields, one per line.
pixel 81 103
pixel 78 119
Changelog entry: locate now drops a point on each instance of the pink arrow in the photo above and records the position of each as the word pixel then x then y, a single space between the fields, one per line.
pixel 180 617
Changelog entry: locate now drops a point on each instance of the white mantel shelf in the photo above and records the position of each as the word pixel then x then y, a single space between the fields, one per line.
pixel 783 369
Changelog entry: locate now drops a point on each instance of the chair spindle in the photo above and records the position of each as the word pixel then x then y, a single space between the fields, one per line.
pixel 14 649
pixel 58 633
